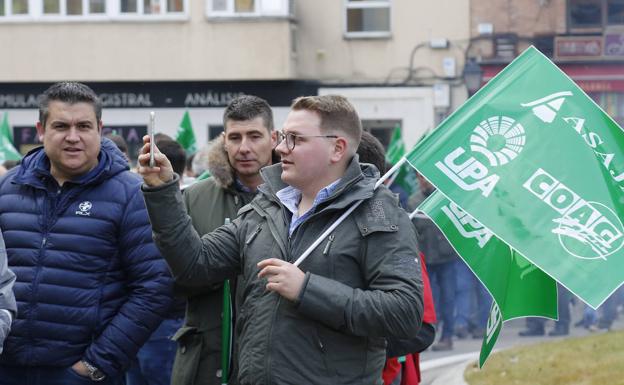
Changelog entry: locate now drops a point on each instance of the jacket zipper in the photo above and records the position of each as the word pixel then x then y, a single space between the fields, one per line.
pixel 253 235
pixel 328 245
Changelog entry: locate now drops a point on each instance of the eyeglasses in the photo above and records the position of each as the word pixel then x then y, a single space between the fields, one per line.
pixel 291 139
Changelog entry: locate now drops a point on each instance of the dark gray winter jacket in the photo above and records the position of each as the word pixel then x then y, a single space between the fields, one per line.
pixel 7 299
pixel 362 283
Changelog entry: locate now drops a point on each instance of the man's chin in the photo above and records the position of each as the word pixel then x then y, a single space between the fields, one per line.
pixel 247 171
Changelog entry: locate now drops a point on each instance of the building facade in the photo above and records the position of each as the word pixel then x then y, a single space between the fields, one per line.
pixel 585 38
pixel 399 61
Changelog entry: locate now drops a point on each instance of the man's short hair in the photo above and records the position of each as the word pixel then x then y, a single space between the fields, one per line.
pixel 372 151
pixel 175 153
pixel 248 107
pixel 337 115
pixel 69 92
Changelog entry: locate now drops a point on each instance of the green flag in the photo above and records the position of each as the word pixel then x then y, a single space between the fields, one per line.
pixel 185 135
pixel 396 150
pixel 518 287
pixel 7 149
pixel 396 147
pixel 537 162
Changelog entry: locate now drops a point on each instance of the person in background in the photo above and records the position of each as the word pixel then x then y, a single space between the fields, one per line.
pixel 154 361
pixel 121 144
pixel 8 307
pixel 472 304
pixel 326 320
pixel 402 364
pixel 442 264
pixel 90 284
pixel 234 160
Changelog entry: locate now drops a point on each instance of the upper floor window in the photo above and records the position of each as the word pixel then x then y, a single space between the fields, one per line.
pixel 367 18
pixel 594 15
pixel 151 7
pixel 60 10
pixel 248 8
pixel 13 7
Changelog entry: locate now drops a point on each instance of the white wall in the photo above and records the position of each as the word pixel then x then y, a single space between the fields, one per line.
pixel 412 105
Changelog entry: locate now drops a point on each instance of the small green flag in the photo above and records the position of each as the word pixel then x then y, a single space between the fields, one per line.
pixel 7 149
pixel 186 136
pixel 518 287
pixel 538 163
pixel 396 147
pixel 405 177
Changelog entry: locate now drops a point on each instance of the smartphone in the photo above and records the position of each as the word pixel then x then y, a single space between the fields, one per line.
pixel 151 130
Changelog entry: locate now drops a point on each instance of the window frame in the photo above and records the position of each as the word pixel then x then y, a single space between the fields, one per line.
pixel 112 11
pixel 285 10
pixel 604 20
pixel 367 4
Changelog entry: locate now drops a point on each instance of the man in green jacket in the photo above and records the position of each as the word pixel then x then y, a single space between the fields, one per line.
pixel 324 322
pixel 234 161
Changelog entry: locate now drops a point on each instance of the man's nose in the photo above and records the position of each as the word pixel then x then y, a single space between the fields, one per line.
pixel 281 147
pixel 244 146
pixel 72 135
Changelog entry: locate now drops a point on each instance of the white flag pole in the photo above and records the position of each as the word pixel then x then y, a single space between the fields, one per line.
pixel 346 214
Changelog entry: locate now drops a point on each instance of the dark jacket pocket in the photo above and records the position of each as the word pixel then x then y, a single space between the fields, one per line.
pixel 187 357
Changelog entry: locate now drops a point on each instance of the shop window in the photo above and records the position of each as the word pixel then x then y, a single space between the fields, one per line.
pixel 248 8
pixel 615 12
pixel 612 103
pixel 594 15
pixel 367 18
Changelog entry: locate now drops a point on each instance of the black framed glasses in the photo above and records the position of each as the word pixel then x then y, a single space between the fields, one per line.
pixel 291 139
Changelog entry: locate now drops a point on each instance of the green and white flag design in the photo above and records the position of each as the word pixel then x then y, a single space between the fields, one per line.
pixel 539 164
pixel 518 287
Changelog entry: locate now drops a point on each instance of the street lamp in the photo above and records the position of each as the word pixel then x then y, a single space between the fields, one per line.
pixel 472 76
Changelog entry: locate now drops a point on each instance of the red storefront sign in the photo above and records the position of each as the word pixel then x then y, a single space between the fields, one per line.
pixel 574 47
pixel 597 77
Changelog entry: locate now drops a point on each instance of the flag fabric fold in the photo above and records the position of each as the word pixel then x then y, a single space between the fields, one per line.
pixel 518 287
pixel 536 161
pixel 404 177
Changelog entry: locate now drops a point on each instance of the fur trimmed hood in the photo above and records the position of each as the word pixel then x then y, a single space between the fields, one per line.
pixel 218 163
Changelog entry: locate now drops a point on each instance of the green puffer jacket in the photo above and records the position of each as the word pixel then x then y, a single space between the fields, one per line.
pixel 361 284
pixel 208 202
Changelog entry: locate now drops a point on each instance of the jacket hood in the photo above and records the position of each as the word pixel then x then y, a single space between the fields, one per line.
pixel 36 164
pixel 218 163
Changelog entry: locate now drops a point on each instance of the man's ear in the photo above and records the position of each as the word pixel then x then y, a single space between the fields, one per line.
pixel 274 142
pixel 339 152
pixel 40 131
pixel 100 126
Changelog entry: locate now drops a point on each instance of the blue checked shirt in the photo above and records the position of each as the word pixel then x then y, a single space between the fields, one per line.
pixel 290 197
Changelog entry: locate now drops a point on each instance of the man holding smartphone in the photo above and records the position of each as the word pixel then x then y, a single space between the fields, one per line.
pixel 236 158
pixel 326 320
